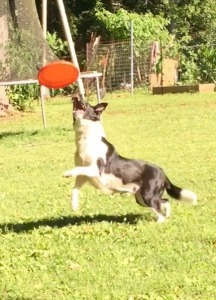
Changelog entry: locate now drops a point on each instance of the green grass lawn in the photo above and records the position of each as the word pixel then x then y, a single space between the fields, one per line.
pixel 112 248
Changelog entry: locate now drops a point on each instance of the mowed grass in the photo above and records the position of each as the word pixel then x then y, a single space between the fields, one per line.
pixel 111 248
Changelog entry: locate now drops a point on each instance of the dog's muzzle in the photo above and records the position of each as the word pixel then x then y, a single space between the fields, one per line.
pixel 79 107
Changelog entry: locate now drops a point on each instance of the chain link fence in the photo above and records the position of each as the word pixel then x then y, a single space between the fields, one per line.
pixel 114 61
pixel 152 65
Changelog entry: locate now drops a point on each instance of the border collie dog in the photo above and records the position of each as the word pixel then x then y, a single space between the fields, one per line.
pixel 98 162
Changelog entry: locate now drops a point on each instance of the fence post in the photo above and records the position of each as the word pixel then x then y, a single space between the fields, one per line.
pixel 162 77
pixel 132 57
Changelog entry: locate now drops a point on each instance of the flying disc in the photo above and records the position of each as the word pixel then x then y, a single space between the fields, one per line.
pixel 58 74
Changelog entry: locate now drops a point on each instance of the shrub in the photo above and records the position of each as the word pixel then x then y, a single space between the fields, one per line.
pixel 22 96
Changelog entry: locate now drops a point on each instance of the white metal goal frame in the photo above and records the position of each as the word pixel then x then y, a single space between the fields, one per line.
pixel 72 51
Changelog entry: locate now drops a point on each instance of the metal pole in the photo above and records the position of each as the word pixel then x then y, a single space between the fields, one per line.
pixel 98 90
pixel 28 81
pixel 43 108
pixel 44 18
pixel 132 59
pixel 43 90
pixel 70 44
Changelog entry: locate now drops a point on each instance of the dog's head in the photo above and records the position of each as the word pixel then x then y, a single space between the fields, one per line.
pixel 83 110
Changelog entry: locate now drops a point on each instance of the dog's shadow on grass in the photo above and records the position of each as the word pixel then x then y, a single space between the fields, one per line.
pixel 68 220
pixel 30 133
pixel 8 134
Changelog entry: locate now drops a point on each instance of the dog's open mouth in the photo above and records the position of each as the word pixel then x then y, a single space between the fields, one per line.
pixel 78 107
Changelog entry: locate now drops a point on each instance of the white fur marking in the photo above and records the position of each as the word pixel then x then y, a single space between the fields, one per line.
pixel 68 174
pixel 189 196
pixel 115 183
pixel 160 218
pixel 88 141
pixel 90 171
pixel 167 207
pixel 75 199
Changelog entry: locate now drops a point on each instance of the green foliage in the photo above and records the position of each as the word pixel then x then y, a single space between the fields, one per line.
pixel 111 248
pixel 188 20
pixel 147 28
pixel 188 66
pixel 190 23
pixel 207 63
pixel 185 22
pixel 198 64
pixel 194 26
pixel 22 96
pixel 59 47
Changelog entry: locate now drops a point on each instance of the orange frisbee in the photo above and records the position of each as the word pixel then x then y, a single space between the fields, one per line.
pixel 58 74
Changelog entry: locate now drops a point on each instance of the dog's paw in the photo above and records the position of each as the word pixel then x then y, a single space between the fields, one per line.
pixel 161 219
pixel 68 174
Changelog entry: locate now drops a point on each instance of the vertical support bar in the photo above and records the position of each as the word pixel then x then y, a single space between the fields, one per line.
pixel 132 58
pixel 44 18
pixel 43 89
pixel 98 89
pixel 42 107
pixel 70 43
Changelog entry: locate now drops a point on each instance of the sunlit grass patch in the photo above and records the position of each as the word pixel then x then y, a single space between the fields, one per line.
pixel 111 248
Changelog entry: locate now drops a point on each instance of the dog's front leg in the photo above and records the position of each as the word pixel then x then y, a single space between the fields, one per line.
pixel 89 171
pixel 80 181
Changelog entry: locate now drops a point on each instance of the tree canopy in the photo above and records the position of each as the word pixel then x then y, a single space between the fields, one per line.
pixel 188 25
pixel 191 21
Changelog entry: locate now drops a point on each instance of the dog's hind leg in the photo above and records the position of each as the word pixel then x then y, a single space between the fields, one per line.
pixel 166 206
pixel 80 181
pixel 139 199
pixel 156 206
pixel 154 203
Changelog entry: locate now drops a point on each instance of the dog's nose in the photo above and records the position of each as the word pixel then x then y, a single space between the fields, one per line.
pixel 76 99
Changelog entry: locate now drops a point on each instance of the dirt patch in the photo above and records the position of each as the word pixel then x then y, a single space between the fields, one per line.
pixel 7 112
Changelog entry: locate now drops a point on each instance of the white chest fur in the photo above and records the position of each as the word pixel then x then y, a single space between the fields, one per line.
pixel 91 148
pixel 88 141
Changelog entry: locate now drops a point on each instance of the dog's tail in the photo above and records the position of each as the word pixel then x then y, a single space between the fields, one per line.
pixel 180 194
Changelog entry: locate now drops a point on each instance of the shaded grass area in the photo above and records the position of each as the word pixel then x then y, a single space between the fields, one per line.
pixel 111 248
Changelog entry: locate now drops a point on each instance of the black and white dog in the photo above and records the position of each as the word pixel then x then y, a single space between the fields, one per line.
pixel 97 162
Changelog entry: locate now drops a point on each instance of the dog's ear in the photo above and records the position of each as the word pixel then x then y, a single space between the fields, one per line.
pixel 99 108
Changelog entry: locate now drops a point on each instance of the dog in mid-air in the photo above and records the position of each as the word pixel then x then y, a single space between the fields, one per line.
pixel 98 162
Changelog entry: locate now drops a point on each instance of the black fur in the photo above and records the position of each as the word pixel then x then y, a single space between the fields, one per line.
pixel 151 178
